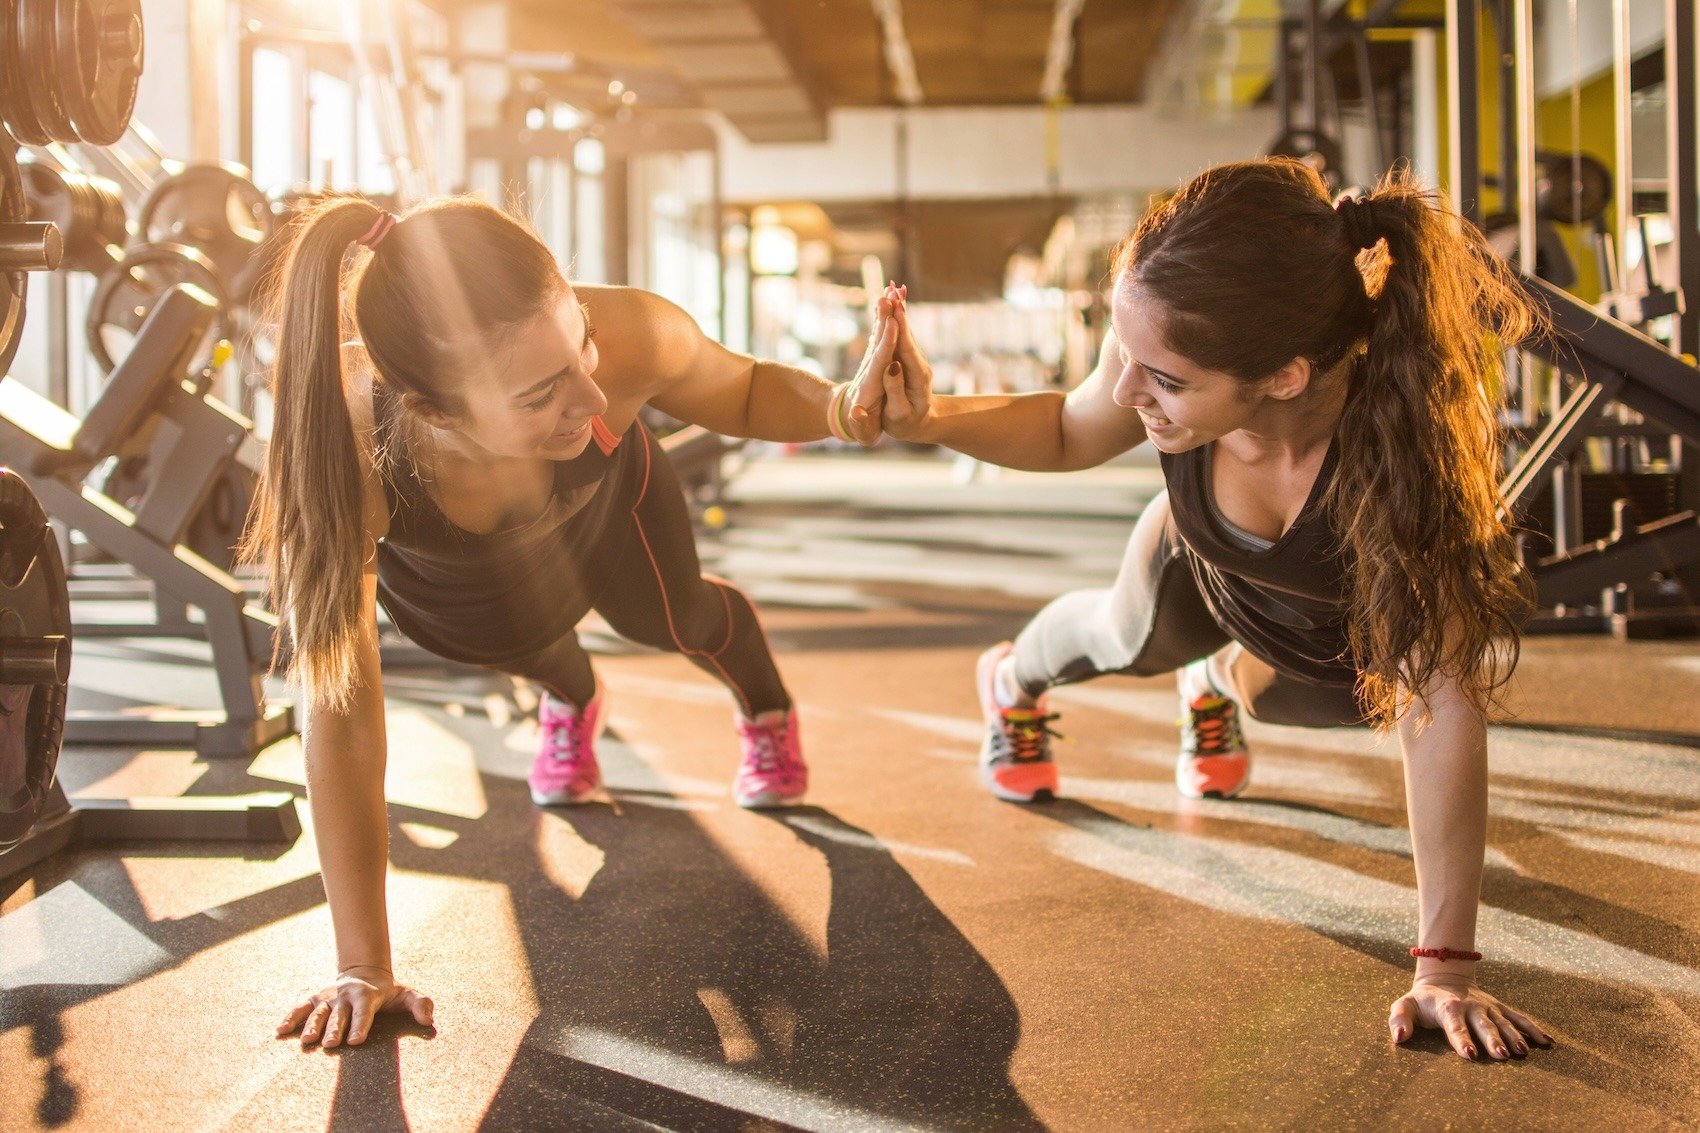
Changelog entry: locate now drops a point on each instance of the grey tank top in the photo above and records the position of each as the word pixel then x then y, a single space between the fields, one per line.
pixel 1285 602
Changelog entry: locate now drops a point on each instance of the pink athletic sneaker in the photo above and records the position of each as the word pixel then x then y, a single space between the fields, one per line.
pixel 1214 762
pixel 1015 758
pixel 773 773
pixel 565 771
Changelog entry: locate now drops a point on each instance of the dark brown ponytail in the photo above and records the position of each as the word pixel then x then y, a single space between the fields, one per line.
pixel 1254 267
pixel 1436 585
pixel 306 529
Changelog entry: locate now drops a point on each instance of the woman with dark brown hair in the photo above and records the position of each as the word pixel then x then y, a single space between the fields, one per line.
pixel 1317 382
pixel 456 435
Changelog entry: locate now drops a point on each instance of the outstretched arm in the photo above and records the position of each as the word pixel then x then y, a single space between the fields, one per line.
pixel 1445 752
pixel 700 381
pixel 1047 431
pixel 346 752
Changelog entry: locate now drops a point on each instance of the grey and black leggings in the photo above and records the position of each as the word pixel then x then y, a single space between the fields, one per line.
pixel 1153 620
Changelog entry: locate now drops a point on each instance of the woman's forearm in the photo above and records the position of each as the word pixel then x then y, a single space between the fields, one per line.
pixel 345 756
pixel 786 404
pixel 1024 430
pixel 1446 797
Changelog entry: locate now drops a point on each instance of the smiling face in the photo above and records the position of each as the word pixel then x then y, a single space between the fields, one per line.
pixel 1183 404
pixel 539 400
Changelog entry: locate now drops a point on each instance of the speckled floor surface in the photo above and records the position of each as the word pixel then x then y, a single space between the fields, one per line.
pixel 906 952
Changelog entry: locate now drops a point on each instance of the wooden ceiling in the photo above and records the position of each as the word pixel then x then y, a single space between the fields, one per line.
pixel 973 52
pixel 966 52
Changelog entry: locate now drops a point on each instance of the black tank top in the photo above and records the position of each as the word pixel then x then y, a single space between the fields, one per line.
pixel 499 597
pixel 1285 604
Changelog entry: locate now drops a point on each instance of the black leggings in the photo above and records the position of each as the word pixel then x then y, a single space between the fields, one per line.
pixel 655 594
pixel 1153 620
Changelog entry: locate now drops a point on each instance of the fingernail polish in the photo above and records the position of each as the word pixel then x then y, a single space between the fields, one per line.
pixel 1470 1053
pixel 894 369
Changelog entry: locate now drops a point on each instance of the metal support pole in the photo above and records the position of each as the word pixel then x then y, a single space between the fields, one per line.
pixel 1682 121
pixel 1313 65
pixel 1463 88
pixel 1505 33
pixel 1624 175
pixel 1523 132
pixel 617 217
pixel 58 340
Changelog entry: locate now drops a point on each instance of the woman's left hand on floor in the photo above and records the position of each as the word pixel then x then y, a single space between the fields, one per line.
pixel 1473 1020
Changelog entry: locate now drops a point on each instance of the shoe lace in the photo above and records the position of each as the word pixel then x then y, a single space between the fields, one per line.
pixel 1215 726
pixel 1027 736
pixel 767 745
pixel 564 737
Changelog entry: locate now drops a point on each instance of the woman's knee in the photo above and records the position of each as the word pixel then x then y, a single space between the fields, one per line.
pixel 694 619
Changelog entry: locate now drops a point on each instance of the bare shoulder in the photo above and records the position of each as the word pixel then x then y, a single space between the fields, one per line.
pixel 640 331
pixel 627 305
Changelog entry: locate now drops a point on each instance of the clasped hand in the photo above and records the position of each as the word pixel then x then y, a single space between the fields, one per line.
pixel 893 388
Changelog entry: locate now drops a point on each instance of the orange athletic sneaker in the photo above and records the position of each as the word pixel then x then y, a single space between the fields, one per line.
pixel 1214 762
pixel 1015 759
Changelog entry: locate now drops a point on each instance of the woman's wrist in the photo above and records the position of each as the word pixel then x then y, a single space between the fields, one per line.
pixel 354 969
pixel 1429 968
pixel 834 412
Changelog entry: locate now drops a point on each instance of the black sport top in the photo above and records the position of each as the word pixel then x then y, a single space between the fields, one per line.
pixel 497 598
pixel 1285 604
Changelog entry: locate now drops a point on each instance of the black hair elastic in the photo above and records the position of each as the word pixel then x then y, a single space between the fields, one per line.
pixel 1358 215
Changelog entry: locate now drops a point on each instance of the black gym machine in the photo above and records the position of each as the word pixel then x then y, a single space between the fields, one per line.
pixel 1612 541
pixel 1614 548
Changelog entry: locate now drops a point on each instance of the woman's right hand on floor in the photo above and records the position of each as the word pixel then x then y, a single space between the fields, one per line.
pixel 342 1014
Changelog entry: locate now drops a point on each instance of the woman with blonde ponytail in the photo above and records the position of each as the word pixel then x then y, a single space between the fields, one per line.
pixel 1316 381
pixel 456 436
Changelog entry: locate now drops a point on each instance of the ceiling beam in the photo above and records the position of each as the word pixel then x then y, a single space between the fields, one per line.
pixel 899 59
pixel 1059 56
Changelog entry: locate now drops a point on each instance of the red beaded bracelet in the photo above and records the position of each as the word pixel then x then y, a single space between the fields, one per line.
pixel 1445 954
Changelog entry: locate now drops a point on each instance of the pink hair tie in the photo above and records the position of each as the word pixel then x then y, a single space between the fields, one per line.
pixel 380 229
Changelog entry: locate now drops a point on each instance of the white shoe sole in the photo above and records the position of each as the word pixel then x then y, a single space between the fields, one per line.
pixel 767 801
pixel 565 798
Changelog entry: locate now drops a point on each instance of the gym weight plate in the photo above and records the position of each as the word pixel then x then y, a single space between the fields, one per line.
pixel 126 294
pixel 100 46
pixel 218 210
pixel 37 43
pixel 14 285
pixel 35 657
pixel 15 108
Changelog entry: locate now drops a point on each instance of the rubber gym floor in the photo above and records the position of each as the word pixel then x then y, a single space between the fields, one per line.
pixel 905 952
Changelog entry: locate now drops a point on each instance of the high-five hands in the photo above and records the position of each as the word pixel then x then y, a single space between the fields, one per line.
pixel 901 401
pixel 867 388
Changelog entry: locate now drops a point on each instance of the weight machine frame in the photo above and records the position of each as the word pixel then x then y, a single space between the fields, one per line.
pixel 1613 362
pixel 54 452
